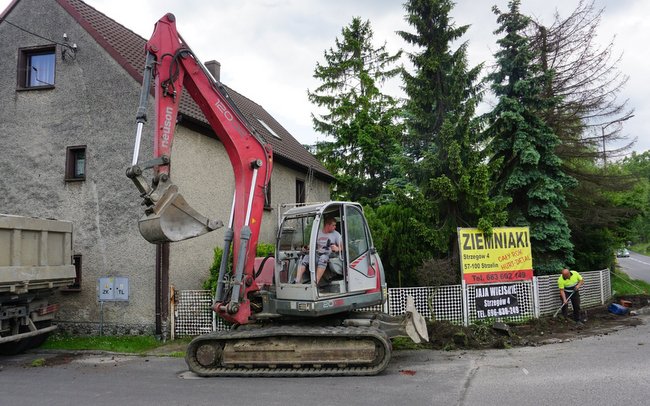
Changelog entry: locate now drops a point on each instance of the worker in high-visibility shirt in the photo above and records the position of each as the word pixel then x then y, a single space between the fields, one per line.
pixel 570 283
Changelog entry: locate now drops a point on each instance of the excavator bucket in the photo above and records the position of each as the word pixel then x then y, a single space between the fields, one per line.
pixel 416 326
pixel 172 219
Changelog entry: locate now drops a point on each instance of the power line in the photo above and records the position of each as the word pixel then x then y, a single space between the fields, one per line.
pixel 34 34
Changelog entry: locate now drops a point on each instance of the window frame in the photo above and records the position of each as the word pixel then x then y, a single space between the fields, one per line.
pixel 300 201
pixel 24 58
pixel 70 163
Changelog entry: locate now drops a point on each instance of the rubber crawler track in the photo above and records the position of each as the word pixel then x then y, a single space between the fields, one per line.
pixel 376 335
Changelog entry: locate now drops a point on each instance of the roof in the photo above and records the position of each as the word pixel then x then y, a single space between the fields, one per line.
pixel 127 48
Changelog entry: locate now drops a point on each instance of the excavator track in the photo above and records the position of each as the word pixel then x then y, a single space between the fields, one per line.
pixel 290 351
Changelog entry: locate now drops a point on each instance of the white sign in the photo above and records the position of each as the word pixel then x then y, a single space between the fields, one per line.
pixel 112 289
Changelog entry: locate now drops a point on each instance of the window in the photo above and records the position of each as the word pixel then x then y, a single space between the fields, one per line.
pixel 36 67
pixel 269 129
pixel 300 191
pixel 75 163
pixel 357 242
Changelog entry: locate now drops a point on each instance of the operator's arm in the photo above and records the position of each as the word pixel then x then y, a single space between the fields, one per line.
pixel 337 246
pixel 563 295
pixel 580 283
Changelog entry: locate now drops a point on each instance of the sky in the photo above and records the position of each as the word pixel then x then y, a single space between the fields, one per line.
pixel 268 49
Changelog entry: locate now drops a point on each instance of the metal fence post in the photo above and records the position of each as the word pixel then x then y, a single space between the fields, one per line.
pixel 536 310
pixel 602 288
pixel 465 304
pixel 384 307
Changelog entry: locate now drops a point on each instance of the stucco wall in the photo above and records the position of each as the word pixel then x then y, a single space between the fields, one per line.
pixel 93 103
pixel 201 169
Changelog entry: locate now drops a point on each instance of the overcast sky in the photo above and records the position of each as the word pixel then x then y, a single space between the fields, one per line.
pixel 268 48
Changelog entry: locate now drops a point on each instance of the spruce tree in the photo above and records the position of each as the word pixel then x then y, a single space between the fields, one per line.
pixel 442 141
pixel 523 145
pixel 360 121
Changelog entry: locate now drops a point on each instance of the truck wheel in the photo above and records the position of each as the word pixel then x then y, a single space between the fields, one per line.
pixel 39 339
pixel 16 347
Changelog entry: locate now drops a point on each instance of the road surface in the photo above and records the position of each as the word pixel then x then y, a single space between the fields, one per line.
pixel 637 266
pixel 607 369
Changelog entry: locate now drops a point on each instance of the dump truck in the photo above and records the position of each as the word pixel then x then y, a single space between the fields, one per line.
pixel 35 261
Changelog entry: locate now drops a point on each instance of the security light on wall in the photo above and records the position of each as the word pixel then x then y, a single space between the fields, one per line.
pixel 67 50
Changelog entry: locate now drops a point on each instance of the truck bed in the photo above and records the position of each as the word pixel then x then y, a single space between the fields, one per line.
pixel 35 254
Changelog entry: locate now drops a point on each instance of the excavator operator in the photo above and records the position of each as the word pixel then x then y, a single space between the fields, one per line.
pixel 329 241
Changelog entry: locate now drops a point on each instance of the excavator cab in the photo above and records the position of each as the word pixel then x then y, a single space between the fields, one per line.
pixel 353 277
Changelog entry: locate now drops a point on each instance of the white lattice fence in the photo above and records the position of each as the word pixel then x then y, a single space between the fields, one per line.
pixel 596 291
pixel 193 314
pixel 447 302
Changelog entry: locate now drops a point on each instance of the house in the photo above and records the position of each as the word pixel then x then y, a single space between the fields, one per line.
pixel 68 97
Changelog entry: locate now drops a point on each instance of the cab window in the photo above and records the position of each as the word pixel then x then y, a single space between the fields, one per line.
pixel 357 242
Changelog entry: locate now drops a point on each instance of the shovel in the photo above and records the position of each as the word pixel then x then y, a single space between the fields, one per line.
pixel 565 302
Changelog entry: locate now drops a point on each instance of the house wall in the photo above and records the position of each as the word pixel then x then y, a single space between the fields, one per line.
pixel 93 104
pixel 202 171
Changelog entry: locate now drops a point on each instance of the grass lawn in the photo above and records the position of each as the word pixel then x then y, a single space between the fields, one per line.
pixel 642 248
pixel 122 344
pixel 622 284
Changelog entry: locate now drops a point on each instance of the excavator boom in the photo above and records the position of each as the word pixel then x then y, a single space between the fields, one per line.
pixel 168 217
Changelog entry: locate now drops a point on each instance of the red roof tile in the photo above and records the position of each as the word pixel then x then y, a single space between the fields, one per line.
pixel 127 48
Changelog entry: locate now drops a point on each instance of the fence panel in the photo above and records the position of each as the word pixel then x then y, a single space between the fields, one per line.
pixel 591 294
pixel 447 302
pixel 193 314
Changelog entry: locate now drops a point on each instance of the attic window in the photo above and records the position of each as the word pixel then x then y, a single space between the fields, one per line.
pixel 269 129
pixel 36 67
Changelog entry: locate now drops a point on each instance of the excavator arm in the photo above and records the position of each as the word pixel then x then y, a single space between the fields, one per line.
pixel 168 217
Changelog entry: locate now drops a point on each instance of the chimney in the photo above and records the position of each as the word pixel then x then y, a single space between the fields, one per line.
pixel 215 69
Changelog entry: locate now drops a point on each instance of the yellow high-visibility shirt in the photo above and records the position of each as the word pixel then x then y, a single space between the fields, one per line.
pixel 568 284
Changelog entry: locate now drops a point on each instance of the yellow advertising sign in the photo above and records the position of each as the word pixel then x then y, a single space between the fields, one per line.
pixel 503 256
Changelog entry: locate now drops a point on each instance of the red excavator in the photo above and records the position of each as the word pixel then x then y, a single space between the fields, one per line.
pixel 280 326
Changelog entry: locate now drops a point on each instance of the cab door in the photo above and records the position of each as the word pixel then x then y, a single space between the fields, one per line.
pixel 360 263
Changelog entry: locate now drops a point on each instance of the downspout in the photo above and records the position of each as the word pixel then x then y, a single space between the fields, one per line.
pixel 162 289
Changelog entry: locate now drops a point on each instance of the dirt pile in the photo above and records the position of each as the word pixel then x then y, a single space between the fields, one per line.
pixel 447 336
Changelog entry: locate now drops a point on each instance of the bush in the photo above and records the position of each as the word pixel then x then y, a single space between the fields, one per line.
pixel 210 284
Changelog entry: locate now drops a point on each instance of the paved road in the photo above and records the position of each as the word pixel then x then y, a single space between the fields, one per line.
pixel 637 266
pixel 610 369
